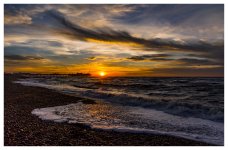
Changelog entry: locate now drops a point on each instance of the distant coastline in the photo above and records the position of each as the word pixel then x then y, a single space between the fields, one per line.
pixel 50 74
pixel 79 74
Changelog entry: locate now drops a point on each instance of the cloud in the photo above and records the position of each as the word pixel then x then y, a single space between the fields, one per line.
pixel 95 15
pixel 136 36
pixel 20 57
pixel 100 57
pixel 92 58
pixel 22 50
pixel 161 21
pixel 17 19
pixel 152 57
pixel 71 19
pixel 192 62
pixel 179 21
pixel 183 61
pixel 76 32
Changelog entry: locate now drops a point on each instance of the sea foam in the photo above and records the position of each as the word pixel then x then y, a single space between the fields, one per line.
pixel 104 116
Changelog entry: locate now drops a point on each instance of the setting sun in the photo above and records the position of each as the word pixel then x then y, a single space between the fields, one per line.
pixel 102 74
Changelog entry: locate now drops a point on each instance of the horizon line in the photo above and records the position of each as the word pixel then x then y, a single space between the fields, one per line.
pixel 31 73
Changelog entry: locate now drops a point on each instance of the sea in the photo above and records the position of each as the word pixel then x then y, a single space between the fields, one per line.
pixel 191 108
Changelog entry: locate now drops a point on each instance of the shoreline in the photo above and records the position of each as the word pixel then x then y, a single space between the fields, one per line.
pixel 23 128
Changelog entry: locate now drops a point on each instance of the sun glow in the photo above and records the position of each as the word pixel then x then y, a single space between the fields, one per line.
pixel 102 73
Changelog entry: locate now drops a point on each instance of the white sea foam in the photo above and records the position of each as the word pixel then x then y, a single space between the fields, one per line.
pixel 134 119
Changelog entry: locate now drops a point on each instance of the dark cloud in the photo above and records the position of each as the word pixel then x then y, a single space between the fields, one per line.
pixel 92 58
pixel 75 31
pixel 26 51
pixel 185 61
pixel 20 57
pixel 152 57
pixel 192 62
pixel 78 32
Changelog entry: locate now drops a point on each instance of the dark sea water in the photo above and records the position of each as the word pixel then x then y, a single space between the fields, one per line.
pixel 187 107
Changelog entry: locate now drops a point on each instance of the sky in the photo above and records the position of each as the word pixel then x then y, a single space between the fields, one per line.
pixel 121 40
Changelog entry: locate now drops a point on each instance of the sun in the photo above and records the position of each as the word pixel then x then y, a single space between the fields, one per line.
pixel 102 73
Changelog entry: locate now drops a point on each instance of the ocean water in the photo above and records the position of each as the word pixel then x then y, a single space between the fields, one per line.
pixel 186 107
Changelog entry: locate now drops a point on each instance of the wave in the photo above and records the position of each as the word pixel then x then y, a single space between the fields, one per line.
pixel 177 105
pixel 134 119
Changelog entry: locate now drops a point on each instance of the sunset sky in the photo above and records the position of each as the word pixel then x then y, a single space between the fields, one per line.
pixel 120 40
